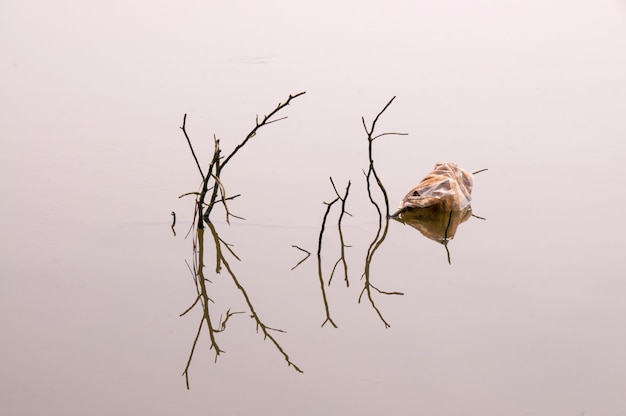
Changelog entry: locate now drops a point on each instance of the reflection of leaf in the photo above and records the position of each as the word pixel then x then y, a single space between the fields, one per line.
pixel 434 223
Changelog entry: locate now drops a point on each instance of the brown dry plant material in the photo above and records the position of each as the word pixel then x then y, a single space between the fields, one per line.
pixel 448 188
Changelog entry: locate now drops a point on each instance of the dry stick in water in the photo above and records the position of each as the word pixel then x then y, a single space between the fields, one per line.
pixel 266 120
pixel 381 233
pixel 201 215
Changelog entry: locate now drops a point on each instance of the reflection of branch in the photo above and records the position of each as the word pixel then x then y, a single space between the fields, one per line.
pixel 222 326
pixel 319 263
pixel 204 298
pixel 259 324
pixel 367 287
pixel 342 256
pixel 381 233
pixel 308 254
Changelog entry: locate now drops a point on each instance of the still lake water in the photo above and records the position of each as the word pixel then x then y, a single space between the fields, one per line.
pixel 528 319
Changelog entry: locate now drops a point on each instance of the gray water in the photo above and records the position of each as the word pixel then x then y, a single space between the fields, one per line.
pixel 529 317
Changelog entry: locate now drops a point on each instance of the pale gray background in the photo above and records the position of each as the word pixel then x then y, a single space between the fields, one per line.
pixel 529 319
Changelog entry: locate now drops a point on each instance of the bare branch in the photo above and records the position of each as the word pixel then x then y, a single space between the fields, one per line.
pixel 389 134
pixel 266 120
pixel 189 193
pixel 190 145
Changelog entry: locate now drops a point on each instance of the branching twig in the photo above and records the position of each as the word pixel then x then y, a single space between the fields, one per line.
pixel 204 204
pixel 371 171
pixel 222 325
pixel 381 233
pixel 266 120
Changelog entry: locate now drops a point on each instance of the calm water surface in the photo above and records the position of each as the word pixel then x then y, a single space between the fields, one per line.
pixel 529 317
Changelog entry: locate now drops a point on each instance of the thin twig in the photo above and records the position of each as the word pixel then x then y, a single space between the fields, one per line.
pixel 308 254
pixel 266 120
pixel 190 146
pixel 193 348
pixel 191 307
pixel 264 329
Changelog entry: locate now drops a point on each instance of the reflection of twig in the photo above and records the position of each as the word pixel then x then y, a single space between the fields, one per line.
pixel 381 233
pixel 308 254
pixel 222 325
pixel 204 298
pixel 191 307
pixel 376 243
pixel 319 263
pixel 259 324
pixel 173 223
pixel 342 257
